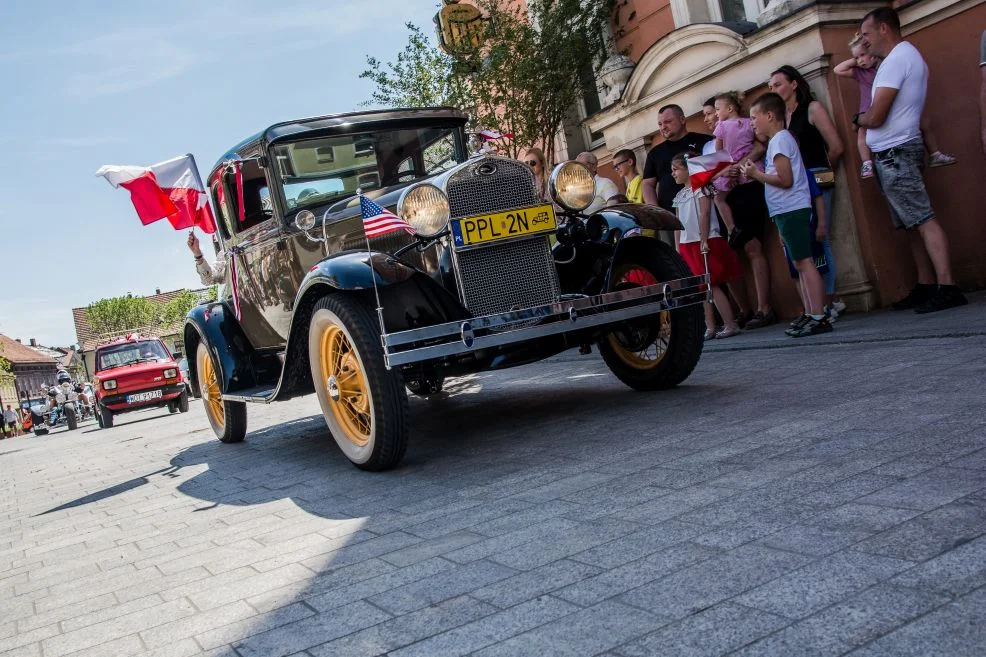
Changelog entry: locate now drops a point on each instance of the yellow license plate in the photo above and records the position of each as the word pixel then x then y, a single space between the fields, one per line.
pixel 486 228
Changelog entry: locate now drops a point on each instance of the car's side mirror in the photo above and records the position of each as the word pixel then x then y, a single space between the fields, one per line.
pixel 177 355
pixel 304 220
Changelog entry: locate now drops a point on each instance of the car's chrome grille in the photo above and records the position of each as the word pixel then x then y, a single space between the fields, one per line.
pixel 499 277
pixel 510 186
pixel 517 274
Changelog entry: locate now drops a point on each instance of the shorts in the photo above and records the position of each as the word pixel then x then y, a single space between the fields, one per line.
pixel 795 230
pixel 724 266
pixel 749 206
pixel 899 172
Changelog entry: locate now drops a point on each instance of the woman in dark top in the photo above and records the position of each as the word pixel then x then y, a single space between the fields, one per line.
pixel 821 148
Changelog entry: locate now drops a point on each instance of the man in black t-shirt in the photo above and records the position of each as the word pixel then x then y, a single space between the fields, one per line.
pixel 658 186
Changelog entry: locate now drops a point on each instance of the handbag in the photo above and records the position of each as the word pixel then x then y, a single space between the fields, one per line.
pixel 824 178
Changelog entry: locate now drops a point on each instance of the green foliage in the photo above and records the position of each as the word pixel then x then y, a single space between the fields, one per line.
pixel 174 311
pixel 4 366
pixel 422 76
pixel 527 74
pixel 121 314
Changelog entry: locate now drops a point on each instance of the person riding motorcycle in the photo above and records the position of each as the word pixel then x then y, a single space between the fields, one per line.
pixel 64 393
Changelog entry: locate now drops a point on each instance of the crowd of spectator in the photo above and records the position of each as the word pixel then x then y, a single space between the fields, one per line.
pixel 785 154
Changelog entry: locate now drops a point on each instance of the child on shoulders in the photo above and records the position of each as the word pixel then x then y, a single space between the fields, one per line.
pixel 734 134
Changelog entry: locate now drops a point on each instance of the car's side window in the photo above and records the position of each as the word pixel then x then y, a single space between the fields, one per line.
pixel 245 181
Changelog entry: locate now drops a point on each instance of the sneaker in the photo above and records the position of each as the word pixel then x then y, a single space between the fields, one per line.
pixel 830 313
pixel 839 307
pixel 918 295
pixel 797 325
pixel 812 327
pixel 866 171
pixel 945 297
pixel 727 332
pixel 760 320
pixel 939 159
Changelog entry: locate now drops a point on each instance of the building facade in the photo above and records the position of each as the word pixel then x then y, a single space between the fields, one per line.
pixel 685 51
pixel 31 370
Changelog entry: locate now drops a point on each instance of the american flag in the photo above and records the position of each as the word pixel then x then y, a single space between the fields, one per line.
pixel 377 221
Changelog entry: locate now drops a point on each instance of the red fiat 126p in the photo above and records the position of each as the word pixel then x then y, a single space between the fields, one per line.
pixel 133 373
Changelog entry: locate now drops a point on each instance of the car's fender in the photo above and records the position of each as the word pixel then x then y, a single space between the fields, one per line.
pixel 610 233
pixel 215 325
pixel 415 298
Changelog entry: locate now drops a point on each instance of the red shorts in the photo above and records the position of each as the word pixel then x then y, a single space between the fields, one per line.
pixel 724 266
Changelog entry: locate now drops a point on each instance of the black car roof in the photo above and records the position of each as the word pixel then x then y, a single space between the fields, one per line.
pixel 251 146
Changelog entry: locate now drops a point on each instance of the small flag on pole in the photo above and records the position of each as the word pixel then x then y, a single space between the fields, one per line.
pixel 377 221
pixel 488 135
pixel 703 168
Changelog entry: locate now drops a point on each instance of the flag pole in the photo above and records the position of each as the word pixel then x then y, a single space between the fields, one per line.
pixel 705 256
pixel 373 277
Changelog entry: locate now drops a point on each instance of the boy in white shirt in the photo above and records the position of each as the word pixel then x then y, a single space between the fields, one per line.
pixel 789 202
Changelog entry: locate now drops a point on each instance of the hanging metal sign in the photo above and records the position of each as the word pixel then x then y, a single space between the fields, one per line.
pixel 460 28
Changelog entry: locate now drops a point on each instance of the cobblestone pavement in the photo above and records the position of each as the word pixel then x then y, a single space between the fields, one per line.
pixel 785 501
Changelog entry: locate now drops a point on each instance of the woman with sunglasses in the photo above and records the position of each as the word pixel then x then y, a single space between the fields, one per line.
pixel 534 158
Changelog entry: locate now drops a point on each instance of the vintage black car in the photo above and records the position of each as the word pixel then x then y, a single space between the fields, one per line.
pixel 493 278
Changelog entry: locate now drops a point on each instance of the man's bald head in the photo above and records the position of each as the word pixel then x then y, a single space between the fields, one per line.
pixel 589 160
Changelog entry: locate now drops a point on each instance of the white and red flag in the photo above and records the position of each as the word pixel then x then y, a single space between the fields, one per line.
pixel 169 190
pixel 703 168
pixel 378 221
pixel 490 135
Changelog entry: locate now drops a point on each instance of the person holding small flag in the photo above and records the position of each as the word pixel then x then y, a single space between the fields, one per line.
pixel 701 246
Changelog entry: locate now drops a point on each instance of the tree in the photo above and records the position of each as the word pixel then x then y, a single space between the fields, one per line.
pixel 174 311
pixel 422 76
pixel 5 373
pixel 122 314
pixel 529 70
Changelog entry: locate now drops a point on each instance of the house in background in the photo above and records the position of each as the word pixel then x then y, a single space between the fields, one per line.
pixel 87 340
pixel 31 369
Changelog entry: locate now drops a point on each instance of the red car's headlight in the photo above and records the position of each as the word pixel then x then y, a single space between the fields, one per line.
pixel 109 385
pixel 170 373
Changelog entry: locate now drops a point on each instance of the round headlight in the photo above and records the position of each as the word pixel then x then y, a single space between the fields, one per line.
pixel 426 208
pixel 572 186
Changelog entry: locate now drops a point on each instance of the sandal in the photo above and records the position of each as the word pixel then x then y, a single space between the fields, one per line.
pixel 710 334
pixel 727 332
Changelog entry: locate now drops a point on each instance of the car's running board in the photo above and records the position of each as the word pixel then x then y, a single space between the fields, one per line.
pixel 255 395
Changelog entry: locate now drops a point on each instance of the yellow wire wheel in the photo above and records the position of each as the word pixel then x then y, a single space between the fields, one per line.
pixel 640 345
pixel 658 351
pixel 228 419
pixel 363 403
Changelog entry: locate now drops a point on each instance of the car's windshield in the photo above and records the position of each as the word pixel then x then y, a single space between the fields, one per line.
pixel 130 352
pixel 317 171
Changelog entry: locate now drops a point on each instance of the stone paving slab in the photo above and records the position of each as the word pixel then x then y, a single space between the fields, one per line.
pixel 744 513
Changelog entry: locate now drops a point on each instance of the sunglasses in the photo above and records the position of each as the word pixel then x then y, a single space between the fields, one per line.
pixel 532 163
pixel 617 165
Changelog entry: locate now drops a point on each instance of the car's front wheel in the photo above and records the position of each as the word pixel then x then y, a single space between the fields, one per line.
pixel 228 418
pixel 363 403
pixel 659 351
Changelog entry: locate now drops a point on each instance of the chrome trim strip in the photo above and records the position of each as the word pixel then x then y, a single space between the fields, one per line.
pixel 461 338
pixel 249 398
pixel 540 312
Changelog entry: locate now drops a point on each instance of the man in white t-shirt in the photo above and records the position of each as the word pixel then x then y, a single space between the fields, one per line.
pixel 893 133
pixel 605 188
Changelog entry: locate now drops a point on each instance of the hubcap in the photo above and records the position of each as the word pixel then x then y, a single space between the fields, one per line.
pixel 346 387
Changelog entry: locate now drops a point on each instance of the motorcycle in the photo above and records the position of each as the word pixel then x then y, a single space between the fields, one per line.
pixel 67 404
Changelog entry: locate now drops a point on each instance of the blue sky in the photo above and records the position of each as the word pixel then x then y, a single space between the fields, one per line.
pixel 138 83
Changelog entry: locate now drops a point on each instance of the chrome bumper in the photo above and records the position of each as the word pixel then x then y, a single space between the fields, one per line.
pixel 460 337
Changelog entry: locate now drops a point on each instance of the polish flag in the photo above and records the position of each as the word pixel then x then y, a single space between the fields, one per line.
pixel 168 190
pixel 703 168
pixel 489 135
